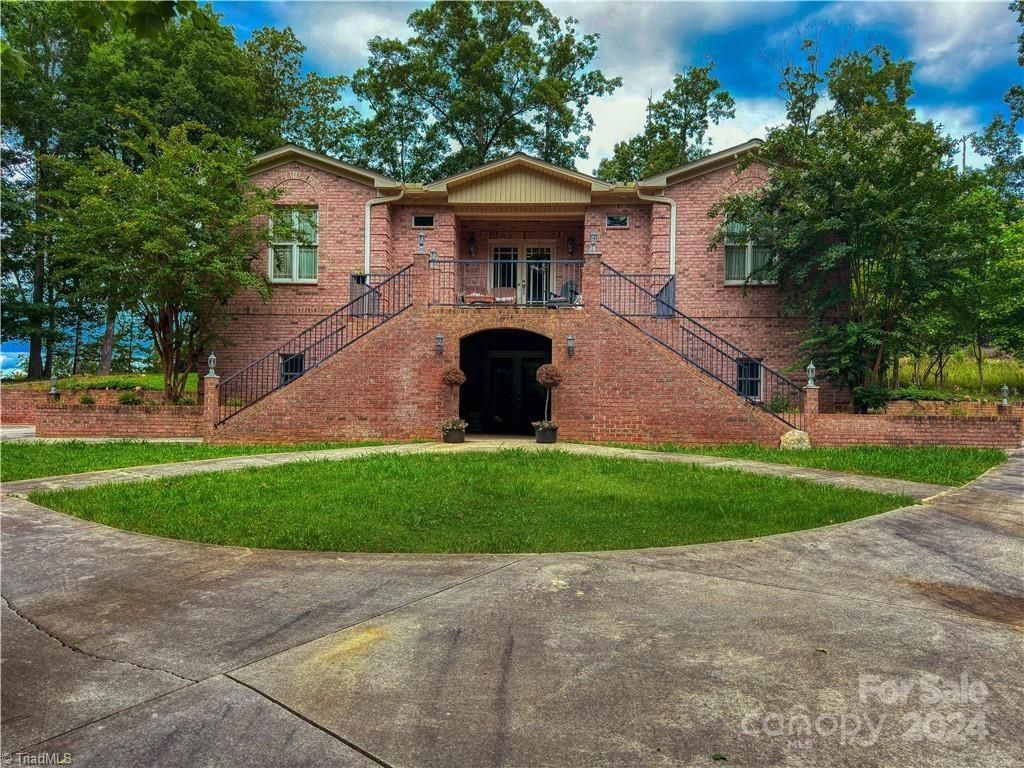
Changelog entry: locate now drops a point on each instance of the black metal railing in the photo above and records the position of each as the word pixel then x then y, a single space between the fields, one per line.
pixel 701 347
pixel 377 298
pixel 506 283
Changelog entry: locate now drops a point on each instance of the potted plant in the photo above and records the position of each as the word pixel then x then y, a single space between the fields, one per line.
pixel 453 430
pixel 546 430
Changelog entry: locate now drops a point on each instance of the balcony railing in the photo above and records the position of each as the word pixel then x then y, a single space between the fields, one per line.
pixel 549 283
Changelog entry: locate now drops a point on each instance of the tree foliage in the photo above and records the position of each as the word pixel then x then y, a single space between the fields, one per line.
pixel 676 128
pixel 480 80
pixel 170 235
pixel 870 221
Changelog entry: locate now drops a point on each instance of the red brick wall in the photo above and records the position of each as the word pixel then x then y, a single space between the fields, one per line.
pixel 18 404
pixel 68 420
pixel 618 386
pixel 883 429
pixel 940 408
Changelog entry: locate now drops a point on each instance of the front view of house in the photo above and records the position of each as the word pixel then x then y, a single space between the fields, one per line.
pixel 380 285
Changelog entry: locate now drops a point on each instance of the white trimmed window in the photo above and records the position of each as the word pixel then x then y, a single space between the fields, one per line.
pixel 616 221
pixel 294 238
pixel 743 257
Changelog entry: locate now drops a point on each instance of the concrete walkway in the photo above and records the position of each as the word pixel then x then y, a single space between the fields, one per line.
pixel 227 464
pixel 823 647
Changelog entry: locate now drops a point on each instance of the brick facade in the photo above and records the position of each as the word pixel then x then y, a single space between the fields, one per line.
pixel 141 421
pixel 839 429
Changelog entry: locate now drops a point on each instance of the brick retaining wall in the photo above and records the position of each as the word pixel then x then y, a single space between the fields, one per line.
pixel 838 429
pixel 18 403
pixel 74 420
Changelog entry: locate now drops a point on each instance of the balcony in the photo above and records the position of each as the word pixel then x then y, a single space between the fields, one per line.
pixel 506 283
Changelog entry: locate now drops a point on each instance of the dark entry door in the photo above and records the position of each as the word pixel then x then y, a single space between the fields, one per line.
pixel 513 398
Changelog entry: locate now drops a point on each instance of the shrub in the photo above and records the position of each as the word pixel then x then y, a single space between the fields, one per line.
pixel 130 398
pixel 87 399
pixel 915 394
pixel 869 397
pixel 185 401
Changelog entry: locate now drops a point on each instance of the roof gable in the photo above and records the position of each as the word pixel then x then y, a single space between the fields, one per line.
pixel 294 153
pixel 522 166
pixel 712 162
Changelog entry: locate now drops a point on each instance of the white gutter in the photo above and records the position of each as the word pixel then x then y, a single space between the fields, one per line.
pixel 366 225
pixel 671 226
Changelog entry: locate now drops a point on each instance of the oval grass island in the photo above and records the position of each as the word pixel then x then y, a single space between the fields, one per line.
pixel 498 502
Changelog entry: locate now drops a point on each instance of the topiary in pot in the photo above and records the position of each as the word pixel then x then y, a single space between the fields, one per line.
pixel 549 377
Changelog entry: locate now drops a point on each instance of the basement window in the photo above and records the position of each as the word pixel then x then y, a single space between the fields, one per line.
pixel 748 378
pixel 423 221
pixel 292 366
pixel 616 221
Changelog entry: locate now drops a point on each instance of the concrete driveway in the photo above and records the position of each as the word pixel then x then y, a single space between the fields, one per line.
pixel 893 640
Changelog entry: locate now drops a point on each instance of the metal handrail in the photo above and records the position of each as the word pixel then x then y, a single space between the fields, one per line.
pixel 320 341
pixel 550 283
pixel 703 348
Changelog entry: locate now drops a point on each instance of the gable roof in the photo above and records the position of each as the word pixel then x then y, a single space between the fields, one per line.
pixel 287 153
pixel 712 162
pixel 518 160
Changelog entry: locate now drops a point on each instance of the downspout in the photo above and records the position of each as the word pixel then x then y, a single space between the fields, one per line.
pixel 671 226
pixel 366 225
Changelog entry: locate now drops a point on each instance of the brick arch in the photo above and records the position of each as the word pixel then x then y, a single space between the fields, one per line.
pixel 745 181
pixel 299 187
pixel 518 325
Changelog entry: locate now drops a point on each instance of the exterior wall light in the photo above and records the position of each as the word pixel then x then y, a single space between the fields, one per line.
pixel 811 370
pixel 212 362
pixel 570 345
pixel 570 246
pixel 53 387
pixel 439 344
pixel 593 241
pixel 421 239
pixel 1005 390
pixel 472 246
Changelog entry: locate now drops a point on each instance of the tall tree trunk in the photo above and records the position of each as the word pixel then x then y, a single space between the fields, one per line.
pixel 107 349
pixel 78 347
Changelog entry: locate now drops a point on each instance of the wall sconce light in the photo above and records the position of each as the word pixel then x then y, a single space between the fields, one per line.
pixel 593 241
pixel 472 245
pixel 53 387
pixel 811 370
pixel 421 238
pixel 1005 390
pixel 570 246
pixel 570 345
pixel 439 344
pixel 212 362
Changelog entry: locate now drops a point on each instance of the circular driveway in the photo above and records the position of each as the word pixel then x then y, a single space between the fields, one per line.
pixel 891 640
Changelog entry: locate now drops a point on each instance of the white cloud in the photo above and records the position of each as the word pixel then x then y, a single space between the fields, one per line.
pixel 951 42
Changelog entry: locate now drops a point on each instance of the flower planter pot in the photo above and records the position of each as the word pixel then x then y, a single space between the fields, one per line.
pixel 454 436
pixel 549 435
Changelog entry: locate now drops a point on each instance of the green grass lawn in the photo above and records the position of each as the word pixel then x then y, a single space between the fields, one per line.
pixel 511 501
pixel 148 381
pixel 945 466
pixel 19 461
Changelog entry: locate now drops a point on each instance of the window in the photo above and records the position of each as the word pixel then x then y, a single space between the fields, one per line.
pixel 616 221
pixel 748 378
pixel 423 220
pixel 294 238
pixel 742 257
pixel 292 366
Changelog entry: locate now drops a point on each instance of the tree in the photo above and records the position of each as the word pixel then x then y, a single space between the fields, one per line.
pixel 675 131
pixel 484 79
pixel 866 214
pixel 320 121
pixel 171 236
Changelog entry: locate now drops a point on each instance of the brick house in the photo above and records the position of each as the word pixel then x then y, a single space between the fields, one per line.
pixel 499 269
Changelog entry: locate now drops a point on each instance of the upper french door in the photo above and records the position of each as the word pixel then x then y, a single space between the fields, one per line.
pixel 527 268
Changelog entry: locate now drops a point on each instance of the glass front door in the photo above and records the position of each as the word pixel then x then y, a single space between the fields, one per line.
pixel 514 398
pixel 527 268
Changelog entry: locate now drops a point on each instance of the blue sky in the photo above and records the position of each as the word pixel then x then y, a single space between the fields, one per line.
pixel 966 52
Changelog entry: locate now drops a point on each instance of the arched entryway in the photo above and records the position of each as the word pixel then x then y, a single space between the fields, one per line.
pixel 501 394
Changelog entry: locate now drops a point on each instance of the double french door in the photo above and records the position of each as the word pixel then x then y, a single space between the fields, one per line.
pixel 524 268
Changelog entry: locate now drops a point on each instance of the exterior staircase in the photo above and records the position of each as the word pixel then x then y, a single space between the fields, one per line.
pixel 380 298
pixel 647 303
